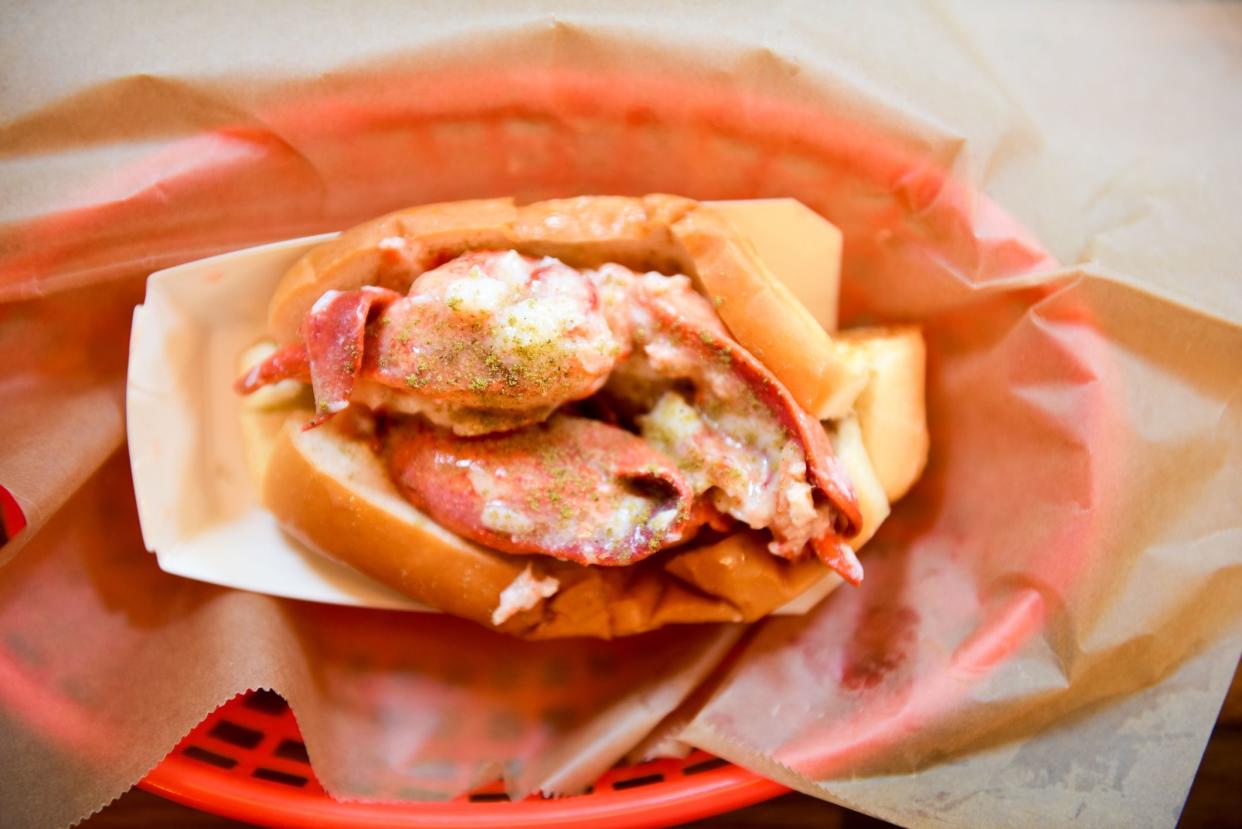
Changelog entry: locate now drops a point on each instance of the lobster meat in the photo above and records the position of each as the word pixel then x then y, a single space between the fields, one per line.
pixel 486 342
pixel 494 349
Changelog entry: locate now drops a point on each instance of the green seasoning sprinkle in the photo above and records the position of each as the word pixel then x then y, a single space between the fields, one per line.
pixel 414 381
pixel 717 300
pixel 477 384
pixel 453 302
pixel 707 338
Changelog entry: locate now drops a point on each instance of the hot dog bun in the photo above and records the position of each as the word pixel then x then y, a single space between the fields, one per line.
pixel 330 490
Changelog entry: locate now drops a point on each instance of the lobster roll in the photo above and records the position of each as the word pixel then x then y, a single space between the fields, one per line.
pixel 581 417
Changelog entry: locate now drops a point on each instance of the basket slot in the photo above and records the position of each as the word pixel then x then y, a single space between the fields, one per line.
pixel 209 757
pixel 292 750
pixel 706 765
pixel 274 776
pixel 488 797
pixel 635 782
pixel 266 702
pixel 234 734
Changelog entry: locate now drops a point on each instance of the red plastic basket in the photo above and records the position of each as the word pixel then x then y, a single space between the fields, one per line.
pixel 247 760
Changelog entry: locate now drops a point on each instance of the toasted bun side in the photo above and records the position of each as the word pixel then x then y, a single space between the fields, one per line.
pixel 740 570
pixel 588 231
pixel 622 601
pixel 892 410
pixel 765 317
pixel 801 248
pixel 847 443
pixel 331 491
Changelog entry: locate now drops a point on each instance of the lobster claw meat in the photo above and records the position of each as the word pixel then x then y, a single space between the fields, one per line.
pixel 486 342
pixel 335 337
pixel 288 363
pixel 330 356
pixel 571 488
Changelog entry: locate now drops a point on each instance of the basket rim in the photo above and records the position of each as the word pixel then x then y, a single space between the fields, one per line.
pixel 662 804
pixel 671 801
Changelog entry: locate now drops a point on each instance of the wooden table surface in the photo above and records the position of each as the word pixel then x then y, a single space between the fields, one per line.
pixel 1215 801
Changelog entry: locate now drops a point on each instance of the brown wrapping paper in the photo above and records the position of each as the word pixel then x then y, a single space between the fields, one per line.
pixel 392 705
pixel 1048 623
pixel 950 652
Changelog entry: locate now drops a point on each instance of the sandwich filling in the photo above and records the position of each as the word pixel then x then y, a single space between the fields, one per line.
pixel 594 415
